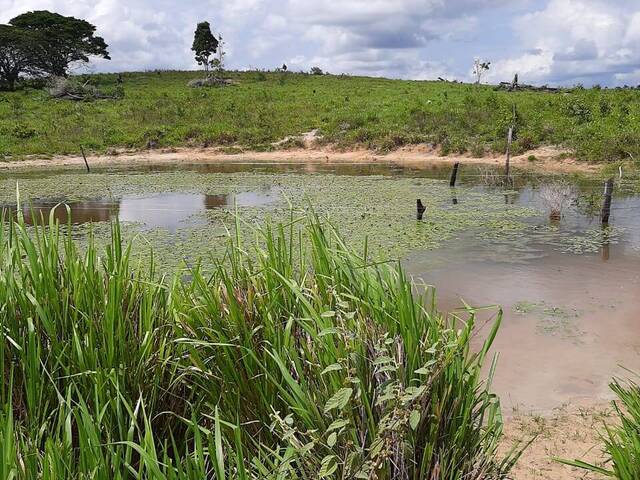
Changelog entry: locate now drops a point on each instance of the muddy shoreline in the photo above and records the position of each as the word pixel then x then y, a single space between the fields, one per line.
pixel 544 159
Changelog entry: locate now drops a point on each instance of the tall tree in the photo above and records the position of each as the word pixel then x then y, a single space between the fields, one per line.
pixel 64 40
pixel 18 48
pixel 204 44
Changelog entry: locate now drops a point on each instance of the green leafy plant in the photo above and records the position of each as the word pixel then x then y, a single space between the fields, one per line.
pixel 296 358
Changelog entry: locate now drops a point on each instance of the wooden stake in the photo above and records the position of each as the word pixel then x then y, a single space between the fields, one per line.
pixel 85 159
pixel 507 165
pixel 606 205
pixel 420 209
pixel 454 174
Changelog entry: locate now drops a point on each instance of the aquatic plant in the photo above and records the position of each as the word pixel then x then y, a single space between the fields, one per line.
pixel 295 358
pixel 557 197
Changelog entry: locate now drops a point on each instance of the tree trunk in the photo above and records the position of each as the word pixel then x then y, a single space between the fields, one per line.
pixel 10 79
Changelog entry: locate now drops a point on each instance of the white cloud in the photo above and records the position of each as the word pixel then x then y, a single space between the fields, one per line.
pixel 382 37
pixel 576 41
pixel 551 41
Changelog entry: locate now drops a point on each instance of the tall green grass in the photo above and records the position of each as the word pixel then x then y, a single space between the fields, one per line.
pixel 297 358
pixel 622 441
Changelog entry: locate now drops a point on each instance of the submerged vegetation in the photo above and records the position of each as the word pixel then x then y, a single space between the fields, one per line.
pixel 160 110
pixel 318 364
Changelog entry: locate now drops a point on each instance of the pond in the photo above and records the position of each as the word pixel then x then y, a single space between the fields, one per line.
pixel 568 287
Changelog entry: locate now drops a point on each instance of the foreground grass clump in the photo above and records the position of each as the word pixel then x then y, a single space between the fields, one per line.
pixel 621 442
pixel 159 110
pixel 297 359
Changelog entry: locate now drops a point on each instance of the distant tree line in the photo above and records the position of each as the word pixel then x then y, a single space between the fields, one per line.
pixel 41 44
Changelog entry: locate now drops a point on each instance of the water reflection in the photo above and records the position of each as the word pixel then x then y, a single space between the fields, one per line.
pixel 81 212
pixel 162 210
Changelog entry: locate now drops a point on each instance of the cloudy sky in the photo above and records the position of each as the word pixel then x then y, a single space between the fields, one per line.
pixel 545 41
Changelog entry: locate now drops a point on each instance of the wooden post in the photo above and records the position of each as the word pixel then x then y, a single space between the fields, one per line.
pixel 85 159
pixel 507 164
pixel 606 250
pixel 606 205
pixel 420 209
pixel 454 174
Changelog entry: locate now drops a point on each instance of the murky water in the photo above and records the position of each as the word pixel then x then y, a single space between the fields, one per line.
pixel 162 210
pixel 571 309
pixel 570 321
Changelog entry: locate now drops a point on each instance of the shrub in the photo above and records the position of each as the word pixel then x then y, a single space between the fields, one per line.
pixel 210 81
pixel 297 358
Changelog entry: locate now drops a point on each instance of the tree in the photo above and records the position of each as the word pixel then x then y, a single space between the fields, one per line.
pixel 204 45
pixel 218 62
pixel 62 40
pixel 479 67
pixel 17 50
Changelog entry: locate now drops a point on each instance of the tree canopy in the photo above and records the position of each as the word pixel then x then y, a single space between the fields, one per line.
pixel 17 50
pixel 62 40
pixel 204 44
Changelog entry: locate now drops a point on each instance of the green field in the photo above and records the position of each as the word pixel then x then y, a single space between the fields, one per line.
pixel 261 108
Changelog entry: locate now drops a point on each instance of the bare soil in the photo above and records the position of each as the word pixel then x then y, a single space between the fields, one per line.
pixel 548 159
pixel 570 432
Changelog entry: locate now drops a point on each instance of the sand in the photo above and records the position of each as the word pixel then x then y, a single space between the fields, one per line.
pixel 570 432
pixel 548 159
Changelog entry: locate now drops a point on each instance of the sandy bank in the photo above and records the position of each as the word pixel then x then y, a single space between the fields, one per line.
pixel 547 159
pixel 570 432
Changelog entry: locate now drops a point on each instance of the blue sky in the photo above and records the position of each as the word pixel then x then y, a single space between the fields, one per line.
pixel 545 42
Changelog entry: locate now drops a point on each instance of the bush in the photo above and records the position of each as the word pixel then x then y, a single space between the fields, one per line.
pixel 293 360
pixel 73 89
pixel 210 81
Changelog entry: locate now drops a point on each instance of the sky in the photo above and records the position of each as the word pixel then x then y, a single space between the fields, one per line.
pixel 555 42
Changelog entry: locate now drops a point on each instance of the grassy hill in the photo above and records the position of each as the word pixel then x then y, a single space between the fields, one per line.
pixel 159 109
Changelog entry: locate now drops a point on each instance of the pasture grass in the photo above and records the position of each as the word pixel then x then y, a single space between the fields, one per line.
pixel 296 358
pixel 160 110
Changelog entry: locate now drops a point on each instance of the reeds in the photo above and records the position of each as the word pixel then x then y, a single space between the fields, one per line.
pixel 296 359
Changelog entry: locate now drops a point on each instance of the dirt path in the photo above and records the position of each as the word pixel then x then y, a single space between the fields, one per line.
pixel 543 159
pixel 570 432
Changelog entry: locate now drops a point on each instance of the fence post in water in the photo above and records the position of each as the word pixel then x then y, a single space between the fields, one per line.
pixel 507 164
pixel 606 205
pixel 454 174
pixel 85 159
pixel 420 209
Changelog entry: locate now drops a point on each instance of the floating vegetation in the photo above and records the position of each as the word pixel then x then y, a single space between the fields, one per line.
pixel 592 240
pixel 376 210
pixel 552 320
